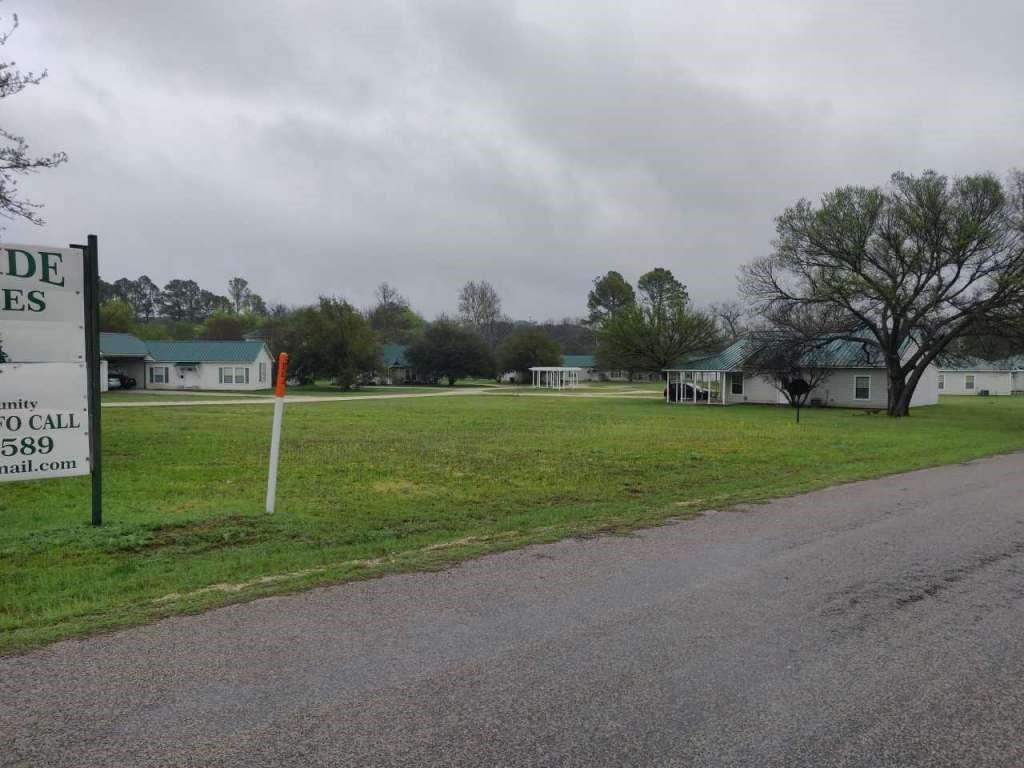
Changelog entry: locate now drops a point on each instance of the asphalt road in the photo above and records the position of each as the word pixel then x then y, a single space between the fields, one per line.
pixel 874 624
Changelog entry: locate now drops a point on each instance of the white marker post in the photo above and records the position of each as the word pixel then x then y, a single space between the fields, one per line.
pixel 275 436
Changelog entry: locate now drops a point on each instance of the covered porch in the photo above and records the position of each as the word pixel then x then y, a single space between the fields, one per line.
pixel 555 377
pixel 695 386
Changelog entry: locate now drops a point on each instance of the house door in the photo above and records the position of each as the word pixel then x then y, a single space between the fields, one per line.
pixel 188 377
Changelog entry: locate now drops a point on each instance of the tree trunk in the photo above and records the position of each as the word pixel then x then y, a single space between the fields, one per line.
pixel 903 406
pixel 902 389
pixel 899 395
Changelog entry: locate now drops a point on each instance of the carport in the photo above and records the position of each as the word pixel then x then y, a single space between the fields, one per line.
pixel 555 377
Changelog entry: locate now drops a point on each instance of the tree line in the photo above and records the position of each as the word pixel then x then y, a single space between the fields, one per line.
pixel 332 339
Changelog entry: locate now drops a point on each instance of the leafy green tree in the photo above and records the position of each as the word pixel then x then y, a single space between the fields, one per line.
pixel 117 316
pixel 574 337
pixel 255 305
pixel 107 292
pixel 906 269
pixel 611 293
pixel 451 350
pixel 655 332
pixel 527 347
pixel 15 159
pixel 180 300
pixel 210 303
pixel 642 338
pixel 223 326
pixel 124 290
pixel 158 331
pixel 660 290
pixel 331 340
pixel 146 298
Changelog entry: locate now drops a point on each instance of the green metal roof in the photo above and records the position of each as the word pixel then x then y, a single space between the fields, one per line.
pixel 977 364
pixel 122 345
pixel 840 353
pixel 578 361
pixel 204 351
pixel 729 359
pixel 394 355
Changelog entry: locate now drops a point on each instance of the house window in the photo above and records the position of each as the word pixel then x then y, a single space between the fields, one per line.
pixel 226 376
pixel 969 381
pixel 942 382
pixel 862 388
pixel 158 375
pixel 263 373
pixel 241 375
pixel 736 387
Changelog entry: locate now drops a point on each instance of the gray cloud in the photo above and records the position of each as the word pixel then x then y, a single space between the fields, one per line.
pixel 533 144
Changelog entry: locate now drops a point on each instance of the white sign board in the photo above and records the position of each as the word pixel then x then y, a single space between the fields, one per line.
pixel 44 415
pixel 42 310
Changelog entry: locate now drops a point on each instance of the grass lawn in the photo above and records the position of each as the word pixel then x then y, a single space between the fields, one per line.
pixel 324 387
pixel 172 396
pixel 148 395
pixel 373 486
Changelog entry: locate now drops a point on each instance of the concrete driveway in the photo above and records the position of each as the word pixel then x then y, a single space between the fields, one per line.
pixel 873 624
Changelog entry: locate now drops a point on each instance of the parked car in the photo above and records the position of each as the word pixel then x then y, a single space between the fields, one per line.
pixel 674 390
pixel 120 381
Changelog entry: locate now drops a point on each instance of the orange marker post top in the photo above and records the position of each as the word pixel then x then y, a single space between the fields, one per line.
pixel 282 374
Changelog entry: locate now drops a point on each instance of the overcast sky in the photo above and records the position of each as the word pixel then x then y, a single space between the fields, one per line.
pixel 532 144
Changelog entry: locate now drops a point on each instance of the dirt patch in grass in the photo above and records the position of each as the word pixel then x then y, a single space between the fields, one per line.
pixel 196 536
pixel 395 486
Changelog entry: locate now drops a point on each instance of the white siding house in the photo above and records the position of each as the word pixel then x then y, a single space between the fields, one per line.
pixel 856 381
pixel 208 365
pixel 225 365
pixel 972 377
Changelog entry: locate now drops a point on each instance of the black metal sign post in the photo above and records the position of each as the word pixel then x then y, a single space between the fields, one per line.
pixel 91 294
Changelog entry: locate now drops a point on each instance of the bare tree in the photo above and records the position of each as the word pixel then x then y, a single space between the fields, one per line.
pixel 392 319
pixel 480 307
pixel 794 364
pixel 907 268
pixel 731 319
pixel 238 292
pixel 15 159
pixel 388 296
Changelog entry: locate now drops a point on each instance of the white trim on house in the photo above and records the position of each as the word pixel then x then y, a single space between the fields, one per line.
pixel 212 375
pixel 158 374
pixel 733 379
pixel 857 387
pixel 1002 377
